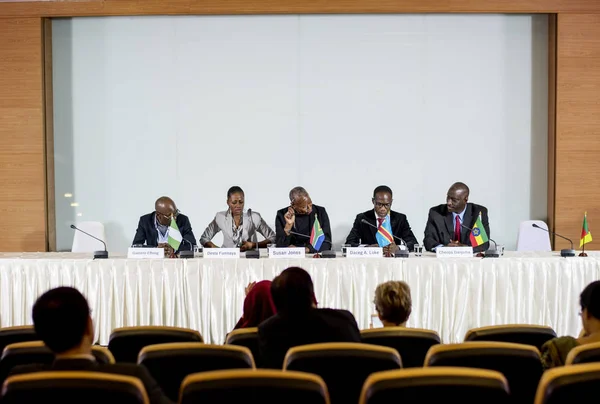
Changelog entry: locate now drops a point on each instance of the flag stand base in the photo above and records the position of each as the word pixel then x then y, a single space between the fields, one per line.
pixel 583 254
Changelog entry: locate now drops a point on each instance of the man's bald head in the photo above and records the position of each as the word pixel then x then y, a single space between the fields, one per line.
pixel 457 197
pixel 165 208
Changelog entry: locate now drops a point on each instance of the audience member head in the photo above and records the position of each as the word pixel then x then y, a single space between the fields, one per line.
pixel 393 303
pixel 293 291
pixel 61 318
pixel 457 197
pixel 300 201
pixel 382 200
pixel 235 200
pixel 165 209
pixel 258 305
pixel 590 308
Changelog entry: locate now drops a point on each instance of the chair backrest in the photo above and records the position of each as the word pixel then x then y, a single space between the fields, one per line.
pixel 102 355
pixel 247 337
pixel 569 384
pixel 587 353
pixel 74 387
pixel 535 335
pixel 85 244
pixel 532 239
pixel 126 343
pixel 430 385
pixel 520 364
pixel 12 335
pixel 343 366
pixel 411 343
pixel 24 353
pixel 263 386
pixel 170 364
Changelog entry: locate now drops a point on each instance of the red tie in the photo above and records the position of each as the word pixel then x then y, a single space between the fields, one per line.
pixel 380 220
pixel 457 229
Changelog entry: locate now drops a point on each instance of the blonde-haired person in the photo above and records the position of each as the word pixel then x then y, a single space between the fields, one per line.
pixel 393 303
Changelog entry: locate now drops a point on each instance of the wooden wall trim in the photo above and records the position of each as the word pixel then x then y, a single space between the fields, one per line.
pixel 551 121
pixel 68 8
pixel 49 137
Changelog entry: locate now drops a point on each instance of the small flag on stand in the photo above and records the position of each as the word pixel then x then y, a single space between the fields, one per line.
pixel 478 235
pixel 384 234
pixel 586 235
pixel 174 235
pixel 316 235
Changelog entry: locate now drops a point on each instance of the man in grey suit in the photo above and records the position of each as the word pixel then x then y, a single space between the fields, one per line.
pixel 449 224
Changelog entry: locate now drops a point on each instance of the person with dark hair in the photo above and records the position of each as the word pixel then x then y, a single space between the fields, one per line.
pixel 239 228
pixel 449 224
pixel 294 224
pixel 61 318
pixel 298 320
pixel 154 228
pixel 382 225
pixel 554 352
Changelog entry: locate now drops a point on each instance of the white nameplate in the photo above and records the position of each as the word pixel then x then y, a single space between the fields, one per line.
pixel 287 252
pixel 364 252
pixel 145 253
pixel 454 252
pixel 221 252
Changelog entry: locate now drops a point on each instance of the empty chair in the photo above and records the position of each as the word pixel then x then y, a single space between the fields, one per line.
pixel 430 385
pixel 411 343
pixel 74 387
pixel 126 343
pixel 520 364
pixel 86 244
pixel 587 353
pixel 569 384
pixel 12 335
pixel 35 352
pixel 343 366
pixel 170 363
pixel 535 335
pixel 254 386
pixel 247 337
pixel 532 239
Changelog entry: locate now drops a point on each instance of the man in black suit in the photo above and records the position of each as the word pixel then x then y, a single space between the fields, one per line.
pixel 449 224
pixel 362 233
pixel 61 318
pixel 298 321
pixel 153 228
pixel 299 218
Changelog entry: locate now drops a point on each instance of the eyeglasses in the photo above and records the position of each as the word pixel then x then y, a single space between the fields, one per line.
pixel 382 205
pixel 174 215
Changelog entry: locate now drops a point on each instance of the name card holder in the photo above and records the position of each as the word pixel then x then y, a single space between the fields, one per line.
pixel 364 252
pixel 221 252
pixel 454 252
pixel 287 252
pixel 145 253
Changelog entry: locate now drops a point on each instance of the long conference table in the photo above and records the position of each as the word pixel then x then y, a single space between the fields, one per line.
pixel 449 295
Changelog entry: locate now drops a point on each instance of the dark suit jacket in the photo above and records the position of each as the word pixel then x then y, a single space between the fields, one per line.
pixel 146 232
pixel 280 333
pixel 362 233
pixel 284 240
pixel 440 227
pixel 155 394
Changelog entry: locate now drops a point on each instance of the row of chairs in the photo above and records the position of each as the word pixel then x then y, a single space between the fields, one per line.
pixel 409 386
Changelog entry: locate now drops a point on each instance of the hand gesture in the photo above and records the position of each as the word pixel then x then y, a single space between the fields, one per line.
pixel 247 245
pixel 290 217
pixel 249 287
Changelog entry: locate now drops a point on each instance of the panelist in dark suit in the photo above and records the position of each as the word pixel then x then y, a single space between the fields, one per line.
pixel 153 228
pixel 61 319
pixel 300 218
pixel 444 222
pixel 298 321
pixel 362 233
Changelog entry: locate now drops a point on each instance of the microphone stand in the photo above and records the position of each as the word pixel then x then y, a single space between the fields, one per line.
pixel 97 254
pixel 398 254
pixel 565 252
pixel 255 252
pixel 490 253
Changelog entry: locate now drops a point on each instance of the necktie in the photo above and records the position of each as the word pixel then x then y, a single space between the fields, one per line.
pixel 380 221
pixel 457 229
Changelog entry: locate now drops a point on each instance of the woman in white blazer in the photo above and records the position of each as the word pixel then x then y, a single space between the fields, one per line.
pixel 239 228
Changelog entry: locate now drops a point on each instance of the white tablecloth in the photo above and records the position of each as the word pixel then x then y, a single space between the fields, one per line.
pixel 449 295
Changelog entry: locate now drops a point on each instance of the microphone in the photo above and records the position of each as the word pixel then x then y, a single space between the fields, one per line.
pixel 324 254
pixel 491 253
pixel 255 252
pixel 564 252
pixel 97 254
pixel 186 253
pixel 401 253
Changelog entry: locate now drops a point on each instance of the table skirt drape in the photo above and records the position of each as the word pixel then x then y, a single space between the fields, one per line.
pixel 449 296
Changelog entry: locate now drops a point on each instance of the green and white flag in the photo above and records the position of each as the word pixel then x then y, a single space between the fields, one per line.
pixel 174 235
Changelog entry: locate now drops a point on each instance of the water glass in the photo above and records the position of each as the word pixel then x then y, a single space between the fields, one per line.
pixel 418 249
pixel 344 247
